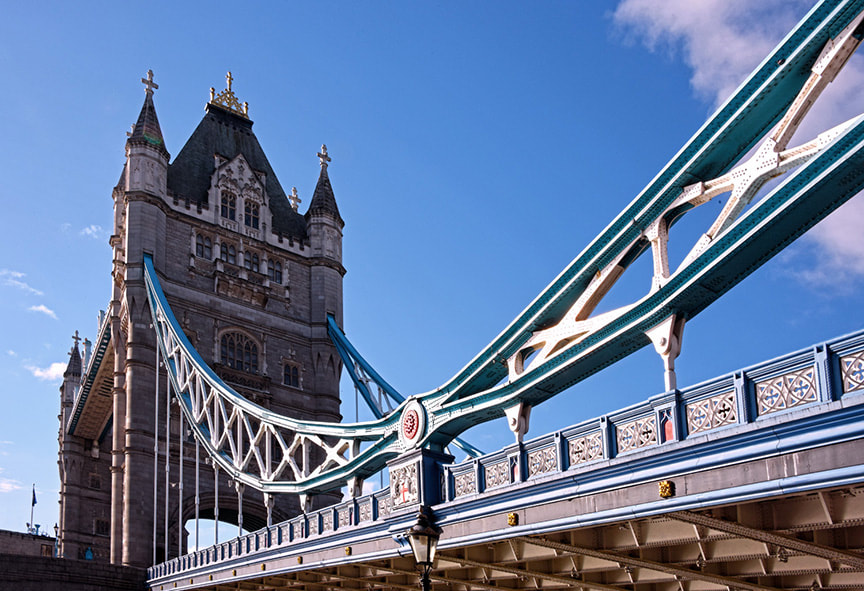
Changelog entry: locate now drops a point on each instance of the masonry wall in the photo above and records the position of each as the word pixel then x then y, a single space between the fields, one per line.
pixel 36 573
pixel 19 543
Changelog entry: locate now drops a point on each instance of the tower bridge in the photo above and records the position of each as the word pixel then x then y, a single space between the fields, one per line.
pixel 212 388
pixel 751 480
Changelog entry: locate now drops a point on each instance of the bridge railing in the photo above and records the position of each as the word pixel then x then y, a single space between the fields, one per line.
pixel 759 395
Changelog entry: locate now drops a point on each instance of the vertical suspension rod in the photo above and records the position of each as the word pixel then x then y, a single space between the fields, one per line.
pixel 167 457
pixel 216 502
pixel 156 459
pixel 197 491
pixel 180 528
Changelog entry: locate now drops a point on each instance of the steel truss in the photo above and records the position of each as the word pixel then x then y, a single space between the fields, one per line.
pixel 556 342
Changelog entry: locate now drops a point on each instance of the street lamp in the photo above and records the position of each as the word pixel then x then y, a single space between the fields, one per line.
pixel 423 537
pixel 56 541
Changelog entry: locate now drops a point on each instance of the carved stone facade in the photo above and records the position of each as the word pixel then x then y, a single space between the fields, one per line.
pixel 251 281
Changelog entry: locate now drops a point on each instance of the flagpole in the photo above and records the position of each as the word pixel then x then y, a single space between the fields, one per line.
pixel 32 506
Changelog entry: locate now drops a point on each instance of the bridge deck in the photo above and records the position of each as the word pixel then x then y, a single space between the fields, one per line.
pixel 753 480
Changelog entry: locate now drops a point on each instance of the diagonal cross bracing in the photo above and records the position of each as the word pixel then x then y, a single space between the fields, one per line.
pixel 556 341
pixel 676 571
pixel 790 543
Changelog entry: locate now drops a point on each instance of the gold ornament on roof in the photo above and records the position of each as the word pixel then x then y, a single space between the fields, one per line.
pixel 227 100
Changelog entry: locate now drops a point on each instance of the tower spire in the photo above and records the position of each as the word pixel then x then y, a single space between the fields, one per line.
pixel 147 130
pixel 323 201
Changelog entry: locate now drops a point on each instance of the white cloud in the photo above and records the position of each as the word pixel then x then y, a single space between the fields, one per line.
pixel 43 309
pixel 13 279
pixel 93 231
pixel 8 484
pixel 11 353
pixel 51 373
pixel 723 41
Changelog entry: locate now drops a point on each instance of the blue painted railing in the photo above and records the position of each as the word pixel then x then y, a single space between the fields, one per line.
pixel 813 381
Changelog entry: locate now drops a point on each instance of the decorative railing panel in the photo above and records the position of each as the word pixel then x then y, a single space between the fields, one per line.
pixel 542 461
pixel 852 371
pixel 787 391
pixel 585 449
pixel 465 484
pixel 636 434
pixel 711 413
pixel 497 474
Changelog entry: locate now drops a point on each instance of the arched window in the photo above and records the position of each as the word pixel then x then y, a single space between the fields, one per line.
pixel 238 351
pixel 251 212
pixel 291 375
pixel 251 261
pixel 228 253
pixel 229 206
pixel 203 247
pixel 274 271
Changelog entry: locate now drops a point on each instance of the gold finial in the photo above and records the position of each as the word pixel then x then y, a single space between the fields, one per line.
pixel 294 198
pixel 323 156
pixel 227 100
pixel 148 82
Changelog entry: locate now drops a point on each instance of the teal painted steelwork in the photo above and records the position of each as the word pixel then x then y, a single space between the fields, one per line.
pixel 102 341
pixel 193 379
pixel 476 394
pixel 350 357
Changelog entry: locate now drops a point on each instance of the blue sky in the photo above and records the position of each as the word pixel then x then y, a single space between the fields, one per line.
pixel 477 148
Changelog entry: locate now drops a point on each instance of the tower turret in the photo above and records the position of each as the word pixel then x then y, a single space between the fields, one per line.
pixel 146 155
pixel 324 227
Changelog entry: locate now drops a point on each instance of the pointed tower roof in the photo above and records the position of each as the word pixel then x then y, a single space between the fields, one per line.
pixel 73 368
pixel 323 200
pixel 226 130
pixel 146 130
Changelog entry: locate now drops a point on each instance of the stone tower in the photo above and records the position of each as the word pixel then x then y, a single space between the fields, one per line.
pixel 251 281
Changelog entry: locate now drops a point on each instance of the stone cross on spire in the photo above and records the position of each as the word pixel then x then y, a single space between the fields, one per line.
pixel 323 156
pixel 148 82
pixel 294 198
pixel 76 338
pixel 229 79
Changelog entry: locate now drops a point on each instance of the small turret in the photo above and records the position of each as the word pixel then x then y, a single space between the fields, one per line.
pixel 146 155
pixel 323 201
pixel 323 222
pixel 71 381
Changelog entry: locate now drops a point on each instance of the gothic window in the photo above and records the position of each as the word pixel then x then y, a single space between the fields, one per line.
pixel 95 481
pixel 274 271
pixel 229 206
pixel 291 375
pixel 251 261
pixel 203 247
pixel 228 253
pixel 251 211
pixel 239 352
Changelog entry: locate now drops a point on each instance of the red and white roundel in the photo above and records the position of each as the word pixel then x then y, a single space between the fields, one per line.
pixel 413 423
pixel 410 424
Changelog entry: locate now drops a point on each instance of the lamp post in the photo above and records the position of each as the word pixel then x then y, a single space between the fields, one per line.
pixel 423 537
pixel 56 541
